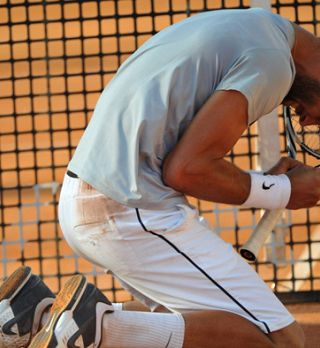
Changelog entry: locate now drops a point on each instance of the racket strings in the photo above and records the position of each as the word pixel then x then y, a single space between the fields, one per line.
pixel 307 136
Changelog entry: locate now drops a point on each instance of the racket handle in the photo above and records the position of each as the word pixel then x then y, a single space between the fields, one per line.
pixel 251 248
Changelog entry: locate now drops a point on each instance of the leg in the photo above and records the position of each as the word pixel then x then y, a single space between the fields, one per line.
pixel 290 336
pixel 170 257
pixel 202 328
pixel 221 329
pixel 77 319
pixel 208 329
pixel 25 303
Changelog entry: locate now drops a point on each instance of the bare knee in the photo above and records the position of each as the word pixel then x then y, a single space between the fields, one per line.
pixel 291 336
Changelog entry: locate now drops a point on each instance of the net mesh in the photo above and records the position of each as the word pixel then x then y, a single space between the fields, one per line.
pixel 55 58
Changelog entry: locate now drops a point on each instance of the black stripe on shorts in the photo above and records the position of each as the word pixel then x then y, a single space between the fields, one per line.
pixel 202 271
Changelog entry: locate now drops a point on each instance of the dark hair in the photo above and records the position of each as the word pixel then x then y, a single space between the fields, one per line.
pixel 304 88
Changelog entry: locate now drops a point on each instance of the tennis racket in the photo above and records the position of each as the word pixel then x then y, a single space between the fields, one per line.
pixel 308 138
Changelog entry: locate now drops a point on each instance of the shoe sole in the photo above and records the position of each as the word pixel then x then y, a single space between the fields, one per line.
pixel 67 299
pixel 16 281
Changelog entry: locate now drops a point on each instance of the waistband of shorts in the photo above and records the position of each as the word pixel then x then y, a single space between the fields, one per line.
pixel 75 186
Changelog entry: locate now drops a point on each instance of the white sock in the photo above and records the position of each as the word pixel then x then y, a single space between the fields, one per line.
pixel 117 306
pixel 126 329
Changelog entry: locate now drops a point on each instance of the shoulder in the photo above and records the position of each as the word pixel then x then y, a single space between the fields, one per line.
pixel 263 76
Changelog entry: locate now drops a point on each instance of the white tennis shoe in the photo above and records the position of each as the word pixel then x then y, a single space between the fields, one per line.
pixel 23 300
pixel 75 317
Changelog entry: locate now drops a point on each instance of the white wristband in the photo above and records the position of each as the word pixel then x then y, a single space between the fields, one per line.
pixel 268 191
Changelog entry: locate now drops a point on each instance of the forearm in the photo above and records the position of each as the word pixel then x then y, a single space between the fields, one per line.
pixel 220 181
pixel 214 180
pixel 196 165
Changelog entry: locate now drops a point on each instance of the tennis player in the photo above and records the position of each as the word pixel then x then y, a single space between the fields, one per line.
pixel 159 133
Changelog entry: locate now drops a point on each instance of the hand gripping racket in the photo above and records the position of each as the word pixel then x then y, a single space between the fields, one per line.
pixel 308 138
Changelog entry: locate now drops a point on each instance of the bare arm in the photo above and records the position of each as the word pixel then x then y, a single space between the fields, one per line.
pixel 196 166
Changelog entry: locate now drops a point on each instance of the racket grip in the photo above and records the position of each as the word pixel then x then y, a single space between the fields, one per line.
pixel 251 248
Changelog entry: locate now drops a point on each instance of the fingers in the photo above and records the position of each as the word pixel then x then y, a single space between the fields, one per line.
pixel 305 182
pixel 284 165
pixel 305 187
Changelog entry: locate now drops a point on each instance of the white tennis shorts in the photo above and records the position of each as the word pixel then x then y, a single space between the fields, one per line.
pixel 171 258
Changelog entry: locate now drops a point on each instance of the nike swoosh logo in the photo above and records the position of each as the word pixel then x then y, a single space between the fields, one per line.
pixel 265 187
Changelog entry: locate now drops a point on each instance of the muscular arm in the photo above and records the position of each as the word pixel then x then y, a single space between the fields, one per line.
pixel 196 166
